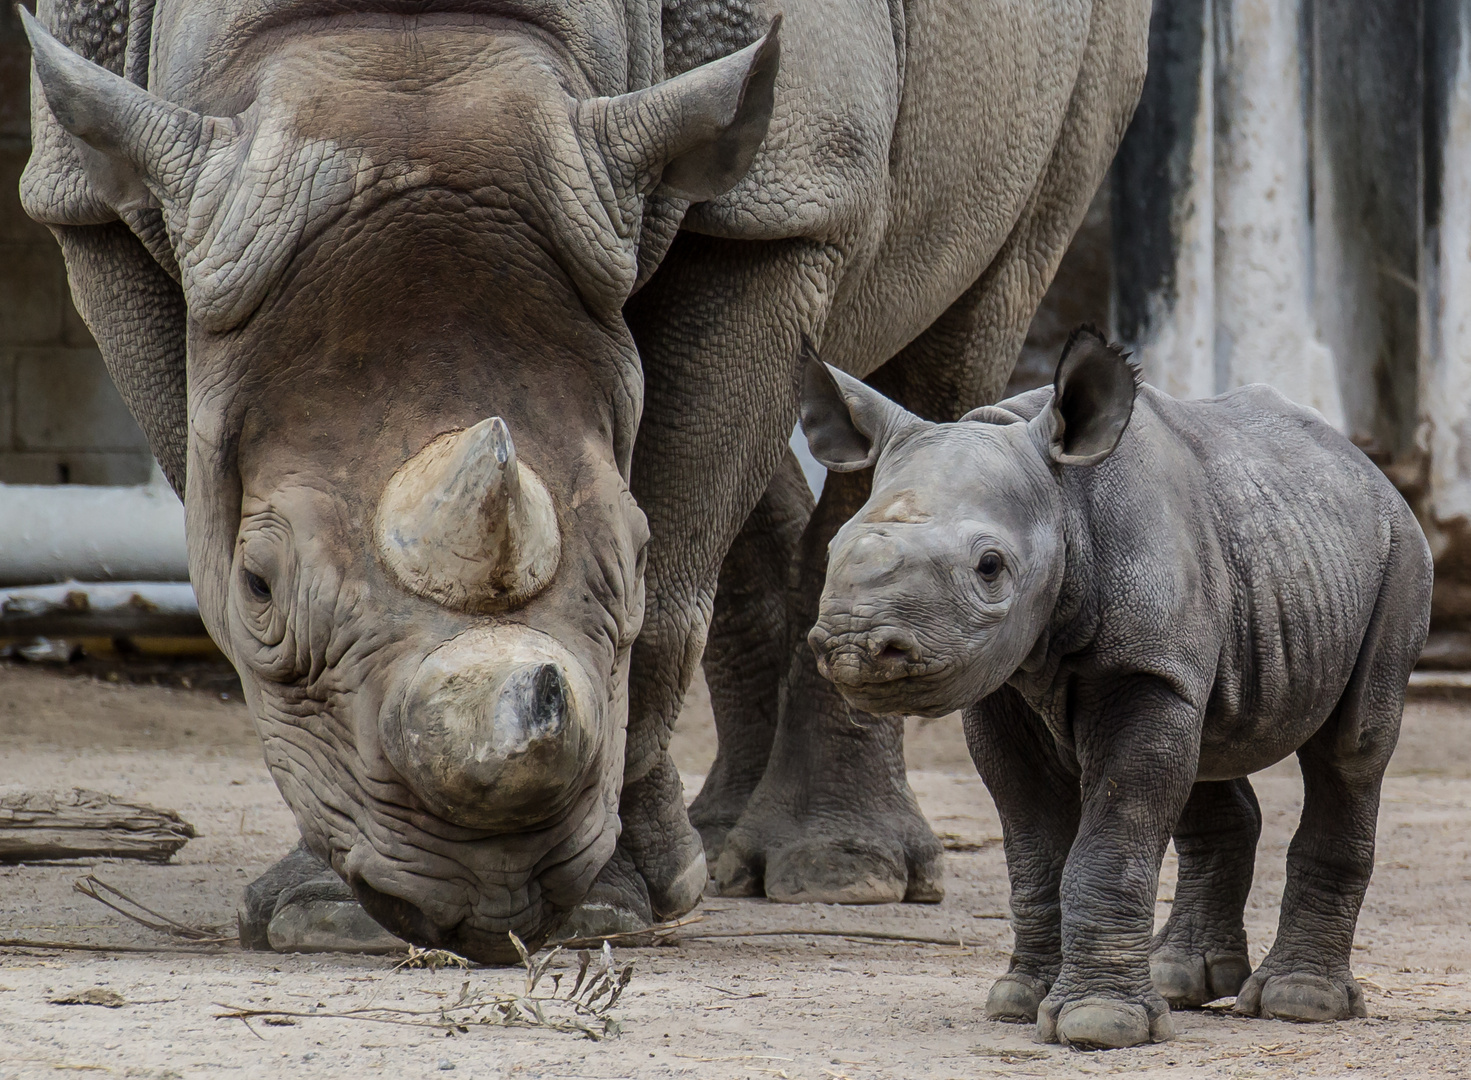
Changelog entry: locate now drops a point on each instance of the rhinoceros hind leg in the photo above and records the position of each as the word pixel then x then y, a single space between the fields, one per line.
pixel 1200 954
pixel 1306 976
pixel 301 905
pixel 749 650
pixel 833 819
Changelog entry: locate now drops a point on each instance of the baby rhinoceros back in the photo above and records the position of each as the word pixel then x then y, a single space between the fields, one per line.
pixel 1138 602
pixel 1311 571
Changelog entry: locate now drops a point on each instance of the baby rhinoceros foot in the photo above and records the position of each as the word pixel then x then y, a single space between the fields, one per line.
pixel 1015 998
pixel 1305 997
pixel 1189 980
pixel 1104 1023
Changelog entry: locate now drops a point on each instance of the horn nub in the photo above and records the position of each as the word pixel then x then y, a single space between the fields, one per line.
pixel 464 523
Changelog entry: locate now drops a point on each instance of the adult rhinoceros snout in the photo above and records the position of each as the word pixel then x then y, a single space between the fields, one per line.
pixel 496 729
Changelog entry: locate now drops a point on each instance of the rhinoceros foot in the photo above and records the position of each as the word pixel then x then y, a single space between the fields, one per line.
pixel 868 856
pixel 657 870
pixel 1188 980
pixel 1306 997
pixel 616 905
pixel 1015 998
pixel 1103 1023
pixel 301 905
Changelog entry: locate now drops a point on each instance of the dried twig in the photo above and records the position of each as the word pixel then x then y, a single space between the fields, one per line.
pixel 206 949
pixel 584 1009
pixel 94 887
pixel 659 931
pixel 862 935
pixel 432 959
pixel 666 934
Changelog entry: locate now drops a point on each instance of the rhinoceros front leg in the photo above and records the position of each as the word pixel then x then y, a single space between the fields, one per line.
pixel 749 651
pixel 301 905
pixel 1137 744
pixel 1200 955
pixel 1038 803
pixel 833 819
pixel 718 330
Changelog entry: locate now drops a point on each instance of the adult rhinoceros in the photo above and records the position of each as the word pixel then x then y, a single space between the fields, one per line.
pixel 468 330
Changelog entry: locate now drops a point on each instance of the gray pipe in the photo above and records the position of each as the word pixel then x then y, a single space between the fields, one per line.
pixel 83 533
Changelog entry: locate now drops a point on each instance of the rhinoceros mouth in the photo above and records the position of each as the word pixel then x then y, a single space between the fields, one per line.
pixel 469 907
pixel 927 692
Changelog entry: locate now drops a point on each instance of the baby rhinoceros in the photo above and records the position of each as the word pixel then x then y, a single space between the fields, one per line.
pixel 1137 601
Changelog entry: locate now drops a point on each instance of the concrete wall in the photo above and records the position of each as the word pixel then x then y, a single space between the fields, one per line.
pixel 1292 205
pixel 61 420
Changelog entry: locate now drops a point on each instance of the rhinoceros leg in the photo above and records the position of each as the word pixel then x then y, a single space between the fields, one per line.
pixel 1037 799
pixel 301 905
pixel 718 330
pixel 1137 757
pixel 749 650
pixel 833 819
pixel 1200 955
pixel 1306 975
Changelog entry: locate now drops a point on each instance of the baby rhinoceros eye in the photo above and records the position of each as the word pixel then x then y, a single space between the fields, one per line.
pixel 989 566
pixel 257 586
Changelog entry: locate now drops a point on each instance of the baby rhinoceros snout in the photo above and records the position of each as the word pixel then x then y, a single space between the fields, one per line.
pixel 879 654
pixel 494 730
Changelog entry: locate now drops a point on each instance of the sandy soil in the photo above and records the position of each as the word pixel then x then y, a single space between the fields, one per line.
pixel 814 1007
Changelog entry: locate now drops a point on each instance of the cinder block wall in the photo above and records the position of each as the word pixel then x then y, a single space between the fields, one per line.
pixel 61 420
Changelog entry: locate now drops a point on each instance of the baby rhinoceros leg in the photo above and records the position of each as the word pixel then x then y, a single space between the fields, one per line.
pixel 1037 801
pixel 1306 974
pixel 1135 752
pixel 1200 955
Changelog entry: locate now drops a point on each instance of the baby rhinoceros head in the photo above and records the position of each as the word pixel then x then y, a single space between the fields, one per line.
pixel 943 584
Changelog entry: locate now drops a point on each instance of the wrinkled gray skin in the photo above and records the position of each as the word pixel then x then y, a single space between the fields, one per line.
pixel 332 241
pixel 1137 601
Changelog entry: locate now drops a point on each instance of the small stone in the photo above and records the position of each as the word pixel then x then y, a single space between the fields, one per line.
pixel 446 1065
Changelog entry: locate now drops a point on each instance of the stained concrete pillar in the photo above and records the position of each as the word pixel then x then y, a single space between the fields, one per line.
pixel 1444 434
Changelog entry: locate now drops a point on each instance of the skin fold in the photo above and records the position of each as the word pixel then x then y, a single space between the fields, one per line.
pixel 466 329
pixel 1138 602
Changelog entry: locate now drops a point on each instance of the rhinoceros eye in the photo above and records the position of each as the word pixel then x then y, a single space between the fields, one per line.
pixel 989 566
pixel 258 587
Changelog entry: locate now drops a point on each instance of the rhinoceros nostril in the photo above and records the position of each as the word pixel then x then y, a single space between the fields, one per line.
pixel 893 647
pixel 533 701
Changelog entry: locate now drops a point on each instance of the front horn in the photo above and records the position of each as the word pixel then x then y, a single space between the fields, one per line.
pixel 463 523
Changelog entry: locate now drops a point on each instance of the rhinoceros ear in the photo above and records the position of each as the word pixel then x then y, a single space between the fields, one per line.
pixel 141 145
pixel 1092 400
pixel 697 133
pixel 847 422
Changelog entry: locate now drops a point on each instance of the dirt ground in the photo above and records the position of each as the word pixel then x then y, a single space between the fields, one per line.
pixel 792 1007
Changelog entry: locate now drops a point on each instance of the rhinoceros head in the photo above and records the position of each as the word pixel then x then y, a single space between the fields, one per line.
pixel 405 243
pixel 941 586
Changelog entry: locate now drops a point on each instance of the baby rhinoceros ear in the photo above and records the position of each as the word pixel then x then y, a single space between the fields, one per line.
pixel 847 422
pixel 1092 401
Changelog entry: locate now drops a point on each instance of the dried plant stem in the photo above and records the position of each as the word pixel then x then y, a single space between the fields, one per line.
pixel 861 935
pixel 94 887
pixel 204 949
